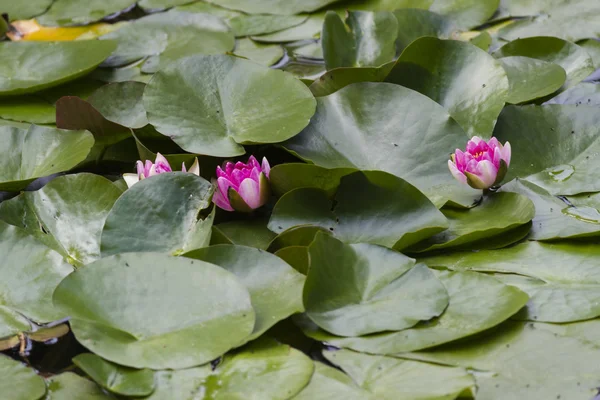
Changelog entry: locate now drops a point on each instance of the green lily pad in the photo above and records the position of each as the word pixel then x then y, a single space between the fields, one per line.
pixel 121 103
pixel 110 301
pixel 560 150
pixel 18 382
pixel 26 10
pixel 414 23
pixel 497 214
pixel 328 383
pixel 275 288
pixel 213 104
pixel 73 12
pixel 39 151
pixel 55 63
pixel 309 29
pixel 530 79
pixel 296 256
pixel 392 378
pixel 285 7
pixel 251 233
pixel 364 39
pixel 380 126
pixel 554 219
pixel 466 80
pixel 576 62
pixel 338 78
pixel 464 317
pixel 262 370
pixel 466 14
pixel 27 108
pixel 567 287
pixel 264 54
pixel 569 20
pixel 250 25
pixel 155 5
pixel 70 386
pixel 359 289
pixel 164 206
pixel 386 211
pixel 286 177
pixel 206 8
pixel 584 93
pixel 510 356
pixel 115 378
pixel 167 37
pixel 297 236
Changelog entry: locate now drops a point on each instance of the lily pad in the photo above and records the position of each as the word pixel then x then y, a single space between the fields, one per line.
pixel 560 150
pixel 121 103
pixel 530 79
pixel 70 386
pixel 167 37
pixel 576 62
pixel 554 218
pixel 285 7
pixel 298 236
pixel 309 29
pixel 115 378
pixel 18 382
pixel 164 206
pixel 387 211
pixel 286 177
pixel 27 108
pixel 466 80
pixel 364 39
pixel 55 63
pixel 464 317
pixel 27 10
pixel 414 23
pixel 39 151
pixel 392 378
pixel 359 289
pixel 252 233
pixel 110 301
pixel 466 14
pixel 263 370
pixel 379 126
pixel 275 288
pixel 480 223
pixel 213 104
pixel 264 54
pixel 338 78
pixel 510 356
pixel 250 25
pixel 73 12
pixel 584 93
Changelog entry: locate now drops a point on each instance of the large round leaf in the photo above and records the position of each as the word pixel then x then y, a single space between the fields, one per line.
pixel 213 104
pixel 368 207
pixel 39 151
pixel 402 379
pixel 286 177
pixel 74 12
pixel 530 79
pixel 260 53
pixel 466 14
pixel 328 383
pixel 166 37
pixel 275 288
pixel 31 272
pixel 586 93
pixel 308 30
pixel 286 7
pixel 414 23
pixel 116 378
pixel 251 233
pixel 576 62
pixel 159 214
pixel 364 39
pixel 495 215
pixel 70 386
pixel 381 126
pixel 24 10
pixel 202 310
pixel 52 63
pixel 338 78
pixel 466 80
pixel 18 382
pixel 121 103
pixel 566 285
pixel 555 146
pixel 249 25
pixel 495 303
pixel 359 289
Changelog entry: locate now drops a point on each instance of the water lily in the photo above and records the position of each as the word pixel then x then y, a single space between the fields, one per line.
pixel 482 164
pixel 243 187
pixel 159 166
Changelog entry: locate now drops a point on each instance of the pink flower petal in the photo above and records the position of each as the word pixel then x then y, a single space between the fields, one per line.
pixel 147 168
pixel 250 192
pixel 497 157
pixel 183 169
pixel 266 168
pixel 140 169
pixel 224 185
pixel 487 172
pixel 221 173
pixel 221 201
pixel 506 153
pixel 456 173
pixel 253 162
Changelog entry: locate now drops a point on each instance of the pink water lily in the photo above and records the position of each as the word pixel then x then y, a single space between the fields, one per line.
pixel 482 164
pixel 159 166
pixel 243 187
